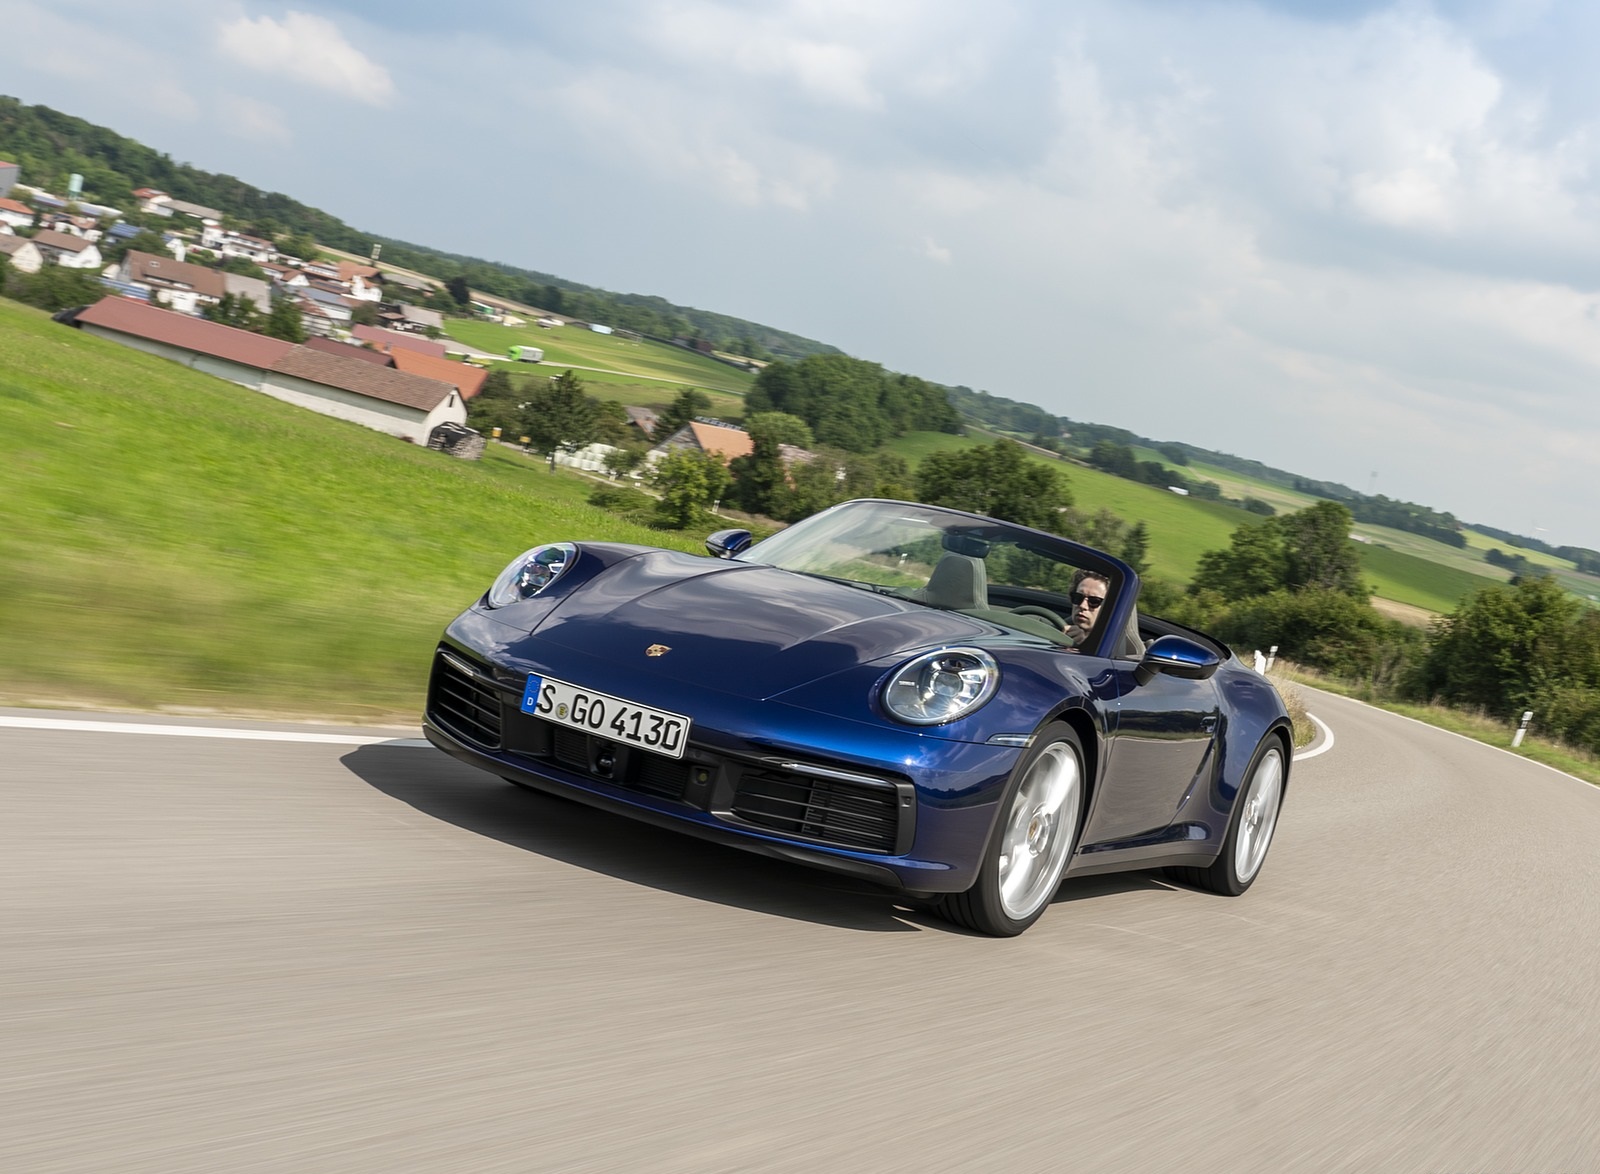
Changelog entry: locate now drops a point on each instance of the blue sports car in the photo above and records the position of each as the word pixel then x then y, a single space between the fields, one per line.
pixel 960 708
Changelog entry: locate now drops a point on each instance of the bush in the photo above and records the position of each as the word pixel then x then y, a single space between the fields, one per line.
pixel 1327 630
pixel 1570 713
pixel 624 502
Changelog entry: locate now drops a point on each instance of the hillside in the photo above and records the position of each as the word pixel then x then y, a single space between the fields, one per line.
pixel 175 540
pixel 50 145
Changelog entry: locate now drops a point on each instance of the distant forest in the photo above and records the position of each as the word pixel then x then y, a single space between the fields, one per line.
pixel 50 146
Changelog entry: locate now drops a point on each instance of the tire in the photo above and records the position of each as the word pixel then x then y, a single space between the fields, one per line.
pixel 1255 818
pixel 1034 837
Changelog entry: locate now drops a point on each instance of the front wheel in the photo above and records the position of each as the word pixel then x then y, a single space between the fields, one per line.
pixel 1032 841
pixel 1255 818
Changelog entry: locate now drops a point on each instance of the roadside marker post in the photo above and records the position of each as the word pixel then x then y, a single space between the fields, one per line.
pixel 1516 739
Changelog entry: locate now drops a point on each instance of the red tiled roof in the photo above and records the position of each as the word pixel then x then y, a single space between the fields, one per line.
pixel 332 346
pixel 65 241
pixel 726 443
pixel 151 269
pixel 386 339
pixel 142 320
pixel 10 205
pixel 353 269
pixel 362 378
pixel 467 379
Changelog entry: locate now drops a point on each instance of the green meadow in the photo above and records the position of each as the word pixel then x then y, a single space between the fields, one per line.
pixel 173 540
pixel 574 346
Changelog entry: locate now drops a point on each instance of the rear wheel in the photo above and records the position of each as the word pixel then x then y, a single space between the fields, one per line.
pixel 1255 818
pixel 1032 840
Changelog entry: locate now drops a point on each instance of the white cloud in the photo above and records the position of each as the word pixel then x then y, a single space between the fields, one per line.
pixel 256 120
pixel 934 251
pixel 309 49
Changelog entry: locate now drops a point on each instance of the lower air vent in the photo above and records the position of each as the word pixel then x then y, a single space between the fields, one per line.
pixel 463 704
pixel 850 815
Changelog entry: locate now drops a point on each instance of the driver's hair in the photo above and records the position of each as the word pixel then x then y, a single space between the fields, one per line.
pixel 1083 573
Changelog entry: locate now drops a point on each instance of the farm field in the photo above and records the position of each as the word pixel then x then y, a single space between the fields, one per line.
pixel 583 348
pixel 173 540
pixel 626 389
pixel 1420 582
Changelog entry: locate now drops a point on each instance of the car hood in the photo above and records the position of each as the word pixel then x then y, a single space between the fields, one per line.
pixel 741 627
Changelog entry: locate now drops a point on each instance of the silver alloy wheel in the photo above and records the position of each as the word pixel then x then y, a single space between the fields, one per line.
pixel 1259 817
pixel 1039 830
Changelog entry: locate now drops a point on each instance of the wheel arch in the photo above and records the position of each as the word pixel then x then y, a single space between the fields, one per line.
pixel 1082 723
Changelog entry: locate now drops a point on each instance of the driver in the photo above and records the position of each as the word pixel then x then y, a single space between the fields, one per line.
pixel 1089 590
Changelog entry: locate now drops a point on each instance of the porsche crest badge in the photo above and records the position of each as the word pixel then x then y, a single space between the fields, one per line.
pixel 657 650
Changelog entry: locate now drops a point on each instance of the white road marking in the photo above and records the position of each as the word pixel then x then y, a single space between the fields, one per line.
pixel 93 727
pixel 1321 747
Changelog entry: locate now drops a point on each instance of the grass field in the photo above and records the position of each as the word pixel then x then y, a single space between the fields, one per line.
pixel 626 389
pixel 644 360
pixel 174 540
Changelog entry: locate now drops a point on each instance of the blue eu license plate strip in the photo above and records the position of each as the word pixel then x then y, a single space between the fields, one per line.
pixel 616 718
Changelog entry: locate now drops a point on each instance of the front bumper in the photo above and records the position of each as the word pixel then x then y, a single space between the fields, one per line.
pixel 898 809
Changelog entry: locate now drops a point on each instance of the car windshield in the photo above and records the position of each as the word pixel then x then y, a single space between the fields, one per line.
pixel 1011 576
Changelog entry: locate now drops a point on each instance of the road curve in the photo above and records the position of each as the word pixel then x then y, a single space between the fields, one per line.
pixel 268 955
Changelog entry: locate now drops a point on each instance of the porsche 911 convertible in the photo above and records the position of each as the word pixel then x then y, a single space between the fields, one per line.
pixel 958 708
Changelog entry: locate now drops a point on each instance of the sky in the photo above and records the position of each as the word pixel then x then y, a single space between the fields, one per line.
pixel 1357 241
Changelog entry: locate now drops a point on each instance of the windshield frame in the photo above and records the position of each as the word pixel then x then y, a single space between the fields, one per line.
pixel 960 532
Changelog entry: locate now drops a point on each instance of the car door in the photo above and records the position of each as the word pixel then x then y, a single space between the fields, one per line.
pixel 1162 740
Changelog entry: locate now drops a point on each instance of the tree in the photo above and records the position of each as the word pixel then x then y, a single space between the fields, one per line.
pixel 623 459
pixel 234 310
pixel 54 287
pixel 689 480
pixel 497 404
pixel 1306 550
pixel 459 290
pixel 781 427
pixel 1253 564
pixel 850 403
pixel 1136 548
pixel 1320 553
pixel 1503 646
pixel 690 402
pixel 759 478
pixel 244 267
pixel 560 416
pixel 366 314
pixel 285 321
pixel 299 244
pixel 999 480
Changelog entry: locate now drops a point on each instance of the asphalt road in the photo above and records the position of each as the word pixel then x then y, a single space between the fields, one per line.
pixel 240 955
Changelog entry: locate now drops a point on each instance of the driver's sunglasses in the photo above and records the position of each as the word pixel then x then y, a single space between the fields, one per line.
pixel 1094 601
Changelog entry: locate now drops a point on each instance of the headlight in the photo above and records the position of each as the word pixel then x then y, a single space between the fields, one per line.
pixel 941 686
pixel 531 572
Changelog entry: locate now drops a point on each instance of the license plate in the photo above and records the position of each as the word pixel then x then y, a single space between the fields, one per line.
pixel 606 716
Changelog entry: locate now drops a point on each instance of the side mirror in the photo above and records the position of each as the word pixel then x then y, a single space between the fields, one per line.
pixel 727 543
pixel 1177 656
